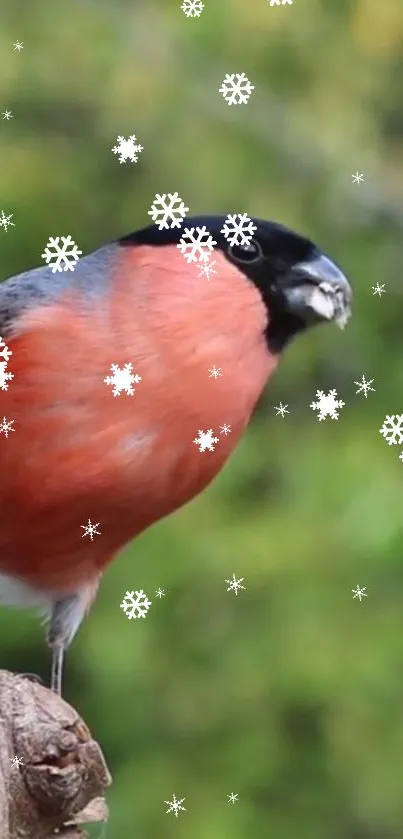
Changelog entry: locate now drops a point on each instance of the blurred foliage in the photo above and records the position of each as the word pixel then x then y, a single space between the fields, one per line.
pixel 289 694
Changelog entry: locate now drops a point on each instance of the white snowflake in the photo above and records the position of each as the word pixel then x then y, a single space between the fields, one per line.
pixel 207 267
pixel 238 229
pixel 163 211
pixel 378 289
pixel 5 353
pixel 122 379
pixel 327 405
pixel 232 797
pixel 215 372
pixel 127 149
pixel 281 409
pixel 283 3
pixel 357 178
pixel 160 593
pixel 225 429
pixel 197 245
pixel 359 592
pixel 192 8
pixel 5 427
pixel 5 221
pixel 62 257
pixel 90 530
pixel 175 805
pixel 392 429
pixel 235 585
pixel 364 386
pixel 7 115
pixel 4 376
pixel 17 761
pixel 135 606
pixel 19 45
pixel 205 440
pixel 236 91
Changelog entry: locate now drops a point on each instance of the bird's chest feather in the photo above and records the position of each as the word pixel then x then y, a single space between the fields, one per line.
pixel 158 445
pixel 128 459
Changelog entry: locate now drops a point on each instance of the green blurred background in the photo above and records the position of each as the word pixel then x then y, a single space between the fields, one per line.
pixel 290 694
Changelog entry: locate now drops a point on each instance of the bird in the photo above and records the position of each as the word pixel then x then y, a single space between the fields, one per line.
pixel 127 460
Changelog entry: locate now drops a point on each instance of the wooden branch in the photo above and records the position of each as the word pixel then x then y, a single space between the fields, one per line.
pixel 63 773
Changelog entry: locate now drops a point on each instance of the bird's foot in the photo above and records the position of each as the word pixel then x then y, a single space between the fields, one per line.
pixel 33 677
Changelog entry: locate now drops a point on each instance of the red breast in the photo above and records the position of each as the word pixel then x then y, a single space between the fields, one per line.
pixel 78 452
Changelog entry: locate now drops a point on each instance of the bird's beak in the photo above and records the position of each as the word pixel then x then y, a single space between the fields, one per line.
pixel 317 290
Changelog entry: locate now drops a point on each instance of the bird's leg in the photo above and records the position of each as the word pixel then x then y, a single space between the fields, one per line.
pixel 57 668
pixel 59 636
pixel 66 616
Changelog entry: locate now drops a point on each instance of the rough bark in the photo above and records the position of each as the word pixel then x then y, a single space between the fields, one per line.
pixel 60 776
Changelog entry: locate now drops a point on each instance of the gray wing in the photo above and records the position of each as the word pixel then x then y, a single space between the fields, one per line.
pixel 40 286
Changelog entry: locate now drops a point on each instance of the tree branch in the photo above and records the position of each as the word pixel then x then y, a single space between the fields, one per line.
pixel 63 771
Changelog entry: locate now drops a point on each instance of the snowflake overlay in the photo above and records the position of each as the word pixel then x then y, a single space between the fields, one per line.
pixel 5 354
pixel 5 426
pixel 5 221
pixel 122 379
pixel 392 429
pixel 235 585
pixel 238 229
pixel 364 386
pixel 283 2
pixel 359 592
pixel 160 593
pixel 205 440
pixel 215 372
pixel 135 606
pixel 198 245
pixel 357 178
pixel 65 256
pixel 7 115
pixel 281 409
pixel 378 289
pixel 4 377
pixel 175 805
pixel 192 8
pixel 127 149
pixel 163 211
pixel 225 429
pixel 207 267
pixel 327 405
pixel 236 91
pixel 19 45
pixel 17 761
pixel 232 797
pixel 90 530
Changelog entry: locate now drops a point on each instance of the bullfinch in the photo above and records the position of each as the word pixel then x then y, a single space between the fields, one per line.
pixel 124 460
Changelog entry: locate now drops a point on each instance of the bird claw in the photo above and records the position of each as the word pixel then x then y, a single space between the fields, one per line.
pixel 33 677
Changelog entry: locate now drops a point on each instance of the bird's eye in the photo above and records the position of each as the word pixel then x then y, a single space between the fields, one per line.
pixel 246 253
